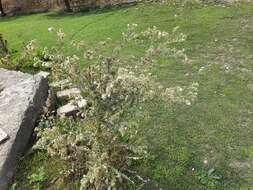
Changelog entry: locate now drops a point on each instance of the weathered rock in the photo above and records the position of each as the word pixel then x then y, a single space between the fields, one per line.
pixel 67 94
pixel 44 74
pixel 72 108
pixel 82 103
pixel 21 101
pixel 3 136
pixel 67 110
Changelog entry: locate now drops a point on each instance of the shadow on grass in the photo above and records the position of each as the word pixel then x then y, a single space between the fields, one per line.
pixel 62 14
pixel 21 15
pixel 88 12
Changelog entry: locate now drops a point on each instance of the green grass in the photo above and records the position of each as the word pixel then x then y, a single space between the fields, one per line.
pixel 218 127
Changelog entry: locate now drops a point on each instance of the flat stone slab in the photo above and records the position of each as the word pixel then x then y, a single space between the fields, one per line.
pixel 22 97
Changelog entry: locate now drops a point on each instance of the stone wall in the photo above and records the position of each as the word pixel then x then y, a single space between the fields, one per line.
pixel 79 4
pixel 16 6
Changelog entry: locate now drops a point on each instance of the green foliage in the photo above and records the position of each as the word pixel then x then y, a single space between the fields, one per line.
pixel 208 180
pixel 13 186
pixel 36 179
pixel 23 60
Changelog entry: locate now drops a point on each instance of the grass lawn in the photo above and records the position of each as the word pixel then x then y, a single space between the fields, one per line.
pixel 208 145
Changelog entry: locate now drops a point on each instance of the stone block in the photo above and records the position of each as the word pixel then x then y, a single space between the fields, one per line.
pixel 22 98
pixel 68 93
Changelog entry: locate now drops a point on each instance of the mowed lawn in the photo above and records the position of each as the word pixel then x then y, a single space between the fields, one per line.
pixel 208 145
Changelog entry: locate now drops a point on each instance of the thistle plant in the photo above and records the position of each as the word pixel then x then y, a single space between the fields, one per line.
pixel 102 145
pixel 3 46
pixel 4 52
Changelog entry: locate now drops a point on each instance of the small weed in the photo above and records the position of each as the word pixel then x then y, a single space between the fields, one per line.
pixel 36 179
